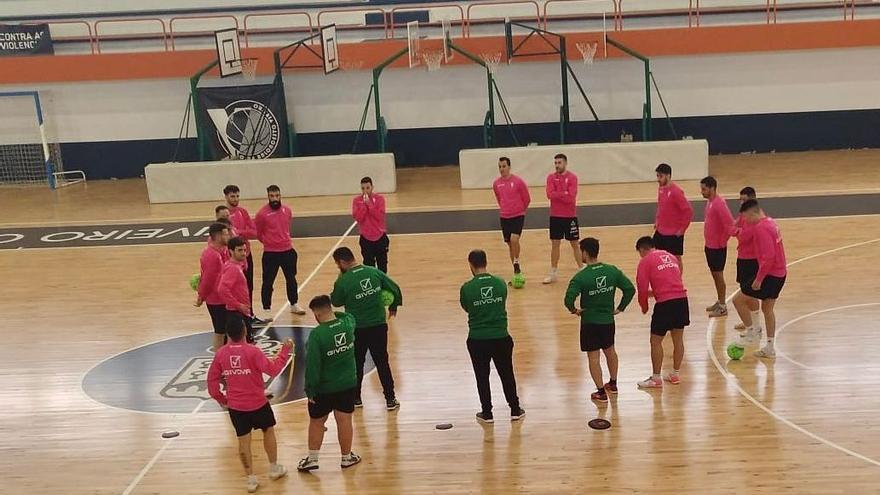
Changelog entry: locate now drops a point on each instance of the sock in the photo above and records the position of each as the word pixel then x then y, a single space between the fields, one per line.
pixel 756 319
pixel 601 390
pixel 612 381
pixel 553 271
pixel 252 478
pixel 273 466
pixel 313 455
pixel 516 266
pixel 674 372
pixel 770 342
pixel 657 376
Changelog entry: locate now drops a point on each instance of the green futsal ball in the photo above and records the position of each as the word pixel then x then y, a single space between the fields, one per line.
pixel 518 281
pixel 387 297
pixel 194 281
pixel 735 351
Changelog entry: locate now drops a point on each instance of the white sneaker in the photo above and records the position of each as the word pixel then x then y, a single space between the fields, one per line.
pixel 752 335
pixel 277 471
pixel 711 308
pixel 295 309
pixel 651 382
pixel 350 460
pixel 307 464
pixel 766 352
pixel 550 278
pixel 252 484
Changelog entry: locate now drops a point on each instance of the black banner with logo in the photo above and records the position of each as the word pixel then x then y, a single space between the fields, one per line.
pixel 16 39
pixel 243 122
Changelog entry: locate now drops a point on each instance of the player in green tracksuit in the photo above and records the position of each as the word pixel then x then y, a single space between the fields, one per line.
pixel 596 285
pixel 331 381
pixel 359 288
pixel 484 298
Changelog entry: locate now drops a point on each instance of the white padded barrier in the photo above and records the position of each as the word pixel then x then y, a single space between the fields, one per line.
pixel 601 163
pixel 303 176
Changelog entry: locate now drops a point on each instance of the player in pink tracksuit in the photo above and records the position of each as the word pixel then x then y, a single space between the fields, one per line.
pixel 717 229
pixel 674 214
pixel 770 279
pixel 211 265
pixel 748 308
pixel 512 195
pixel 659 274
pixel 368 209
pixel 241 366
pixel 562 189
pixel 233 286
pixel 273 230
pixel 245 228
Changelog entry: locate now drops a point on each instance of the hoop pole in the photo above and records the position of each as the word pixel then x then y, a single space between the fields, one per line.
pixel 489 136
pixel 566 112
pixel 646 109
pixel 377 72
pixel 665 111
pixel 583 93
pixel 200 132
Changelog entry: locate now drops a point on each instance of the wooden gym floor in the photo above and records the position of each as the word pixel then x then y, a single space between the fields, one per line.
pixel 804 424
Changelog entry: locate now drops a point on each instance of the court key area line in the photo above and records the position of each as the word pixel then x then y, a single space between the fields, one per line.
pixel 188 418
pixel 779 330
pixel 732 379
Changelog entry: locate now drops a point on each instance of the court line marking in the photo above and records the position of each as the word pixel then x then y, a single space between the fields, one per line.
pixel 420 209
pixel 202 240
pixel 732 379
pixel 779 330
pixel 189 417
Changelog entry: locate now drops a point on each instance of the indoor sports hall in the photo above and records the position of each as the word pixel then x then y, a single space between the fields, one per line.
pixel 123 124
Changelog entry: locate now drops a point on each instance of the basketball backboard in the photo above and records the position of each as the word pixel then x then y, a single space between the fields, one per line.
pixel 228 52
pixel 330 47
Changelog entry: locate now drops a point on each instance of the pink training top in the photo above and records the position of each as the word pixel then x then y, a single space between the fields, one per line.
pixel 226 254
pixel 242 365
pixel 562 190
pixel 512 195
pixel 243 224
pixel 273 228
pixel 211 265
pixel 233 287
pixel 370 216
pixel 769 249
pixel 717 223
pixel 745 233
pixel 674 212
pixel 659 272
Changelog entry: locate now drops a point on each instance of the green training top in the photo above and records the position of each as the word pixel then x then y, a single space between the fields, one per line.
pixel 596 284
pixel 484 298
pixel 358 290
pixel 330 364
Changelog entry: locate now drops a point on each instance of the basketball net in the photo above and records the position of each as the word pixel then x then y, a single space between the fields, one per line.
pixel 249 68
pixel 588 50
pixel 492 61
pixel 432 59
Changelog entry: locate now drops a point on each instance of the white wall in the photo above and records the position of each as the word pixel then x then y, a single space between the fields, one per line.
pixel 456 96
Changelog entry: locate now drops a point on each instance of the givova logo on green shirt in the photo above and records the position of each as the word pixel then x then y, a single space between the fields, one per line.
pixel 367 289
pixel 488 297
pixel 601 286
pixel 342 345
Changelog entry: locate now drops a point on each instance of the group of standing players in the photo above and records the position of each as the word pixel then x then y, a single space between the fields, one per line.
pixel 337 347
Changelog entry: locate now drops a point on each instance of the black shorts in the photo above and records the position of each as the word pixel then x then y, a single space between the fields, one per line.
pixel 673 244
pixel 669 315
pixel 564 228
pixel 770 288
pixel 246 421
pixel 337 401
pixel 512 226
pixel 746 271
pixel 716 259
pixel 595 336
pixel 218 317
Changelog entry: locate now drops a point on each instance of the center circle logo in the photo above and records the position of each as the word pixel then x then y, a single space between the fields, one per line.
pixel 251 129
pixel 170 376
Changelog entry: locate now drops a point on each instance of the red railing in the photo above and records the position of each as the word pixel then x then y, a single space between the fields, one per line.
pixel 130 35
pixel 182 34
pixel 90 38
pixel 495 19
pixel 365 10
pixel 461 19
pixel 291 29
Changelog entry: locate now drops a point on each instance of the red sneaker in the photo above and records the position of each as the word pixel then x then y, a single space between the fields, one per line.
pixel 611 387
pixel 599 396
